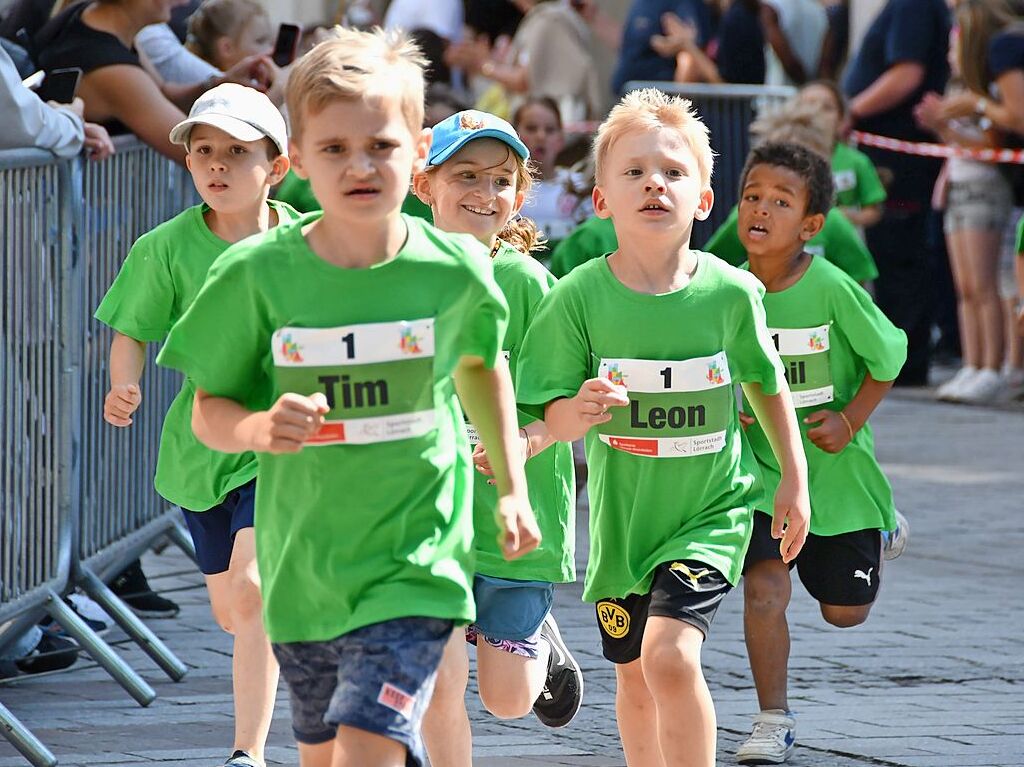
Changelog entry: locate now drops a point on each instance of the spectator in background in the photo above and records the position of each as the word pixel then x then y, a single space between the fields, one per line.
pixel 740 48
pixel 442 17
pixel 795 32
pixel 833 56
pixel 224 32
pixel 638 59
pixel 118 92
pixel 902 56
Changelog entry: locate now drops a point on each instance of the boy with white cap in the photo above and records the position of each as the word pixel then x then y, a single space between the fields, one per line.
pixel 237 150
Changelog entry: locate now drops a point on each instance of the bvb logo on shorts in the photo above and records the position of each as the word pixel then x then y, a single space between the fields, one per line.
pixel 614 619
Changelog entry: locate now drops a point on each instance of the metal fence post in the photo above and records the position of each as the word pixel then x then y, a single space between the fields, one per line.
pixel 23 740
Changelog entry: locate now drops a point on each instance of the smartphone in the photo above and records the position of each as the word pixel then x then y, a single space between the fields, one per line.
pixel 287 44
pixel 60 85
pixel 34 80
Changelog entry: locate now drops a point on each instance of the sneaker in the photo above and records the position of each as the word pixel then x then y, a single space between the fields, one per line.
pixel 53 653
pixel 895 541
pixel 133 587
pixel 983 388
pixel 562 695
pixel 771 741
pixel 241 759
pixel 950 391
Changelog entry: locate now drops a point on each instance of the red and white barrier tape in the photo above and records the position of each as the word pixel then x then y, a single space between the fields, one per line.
pixel 938 150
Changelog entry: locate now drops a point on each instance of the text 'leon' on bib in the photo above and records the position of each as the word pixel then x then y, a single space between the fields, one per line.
pixel 378 378
pixel 805 356
pixel 676 409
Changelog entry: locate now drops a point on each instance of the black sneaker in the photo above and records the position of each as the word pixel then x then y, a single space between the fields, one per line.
pixel 133 587
pixel 562 696
pixel 53 653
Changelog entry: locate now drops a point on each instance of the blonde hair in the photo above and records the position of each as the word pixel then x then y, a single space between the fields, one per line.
pixel 358 65
pixel 796 123
pixel 648 109
pixel 215 19
pixel 979 21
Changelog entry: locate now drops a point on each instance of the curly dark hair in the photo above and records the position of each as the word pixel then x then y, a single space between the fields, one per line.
pixel 808 165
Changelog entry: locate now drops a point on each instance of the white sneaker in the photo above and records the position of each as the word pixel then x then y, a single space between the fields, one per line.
pixel 950 391
pixel 895 541
pixel 1014 378
pixel 983 388
pixel 771 741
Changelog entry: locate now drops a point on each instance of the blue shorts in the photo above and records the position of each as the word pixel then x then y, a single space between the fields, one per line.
pixel 509 613
pixel 213 531
pixel 378 678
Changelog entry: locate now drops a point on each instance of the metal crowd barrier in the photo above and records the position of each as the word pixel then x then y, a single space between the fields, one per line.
pixel 76 496
pixel 727 110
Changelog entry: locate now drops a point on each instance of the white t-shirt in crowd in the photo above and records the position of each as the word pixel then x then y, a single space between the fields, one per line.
pixel 804 23
pixel 445 17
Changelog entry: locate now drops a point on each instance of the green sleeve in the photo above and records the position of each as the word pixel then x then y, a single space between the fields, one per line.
pixel 750 351
pixel 869 186
pixel 140 302
pixel 297 192
pixel 846 249
pixel 555 358
pixel 593 238
pixel 223 340
pixel 482 307
pixel 725 242
pixel 880 344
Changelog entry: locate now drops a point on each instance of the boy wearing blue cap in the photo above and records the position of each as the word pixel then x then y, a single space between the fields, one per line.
pixel 332 348
pixel 476 179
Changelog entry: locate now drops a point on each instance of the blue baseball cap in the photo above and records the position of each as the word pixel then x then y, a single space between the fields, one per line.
pixel 453 133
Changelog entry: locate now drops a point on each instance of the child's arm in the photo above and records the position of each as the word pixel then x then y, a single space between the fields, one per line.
pixel 486 395
pixel 837 428
pixel 866 216
pixel 534 438
pixel 127 360
pixel 569 418
pixel 792 503
pixel 225 425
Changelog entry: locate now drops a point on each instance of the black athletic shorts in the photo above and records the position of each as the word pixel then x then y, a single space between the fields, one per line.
pixel 688 590
pixel 842 570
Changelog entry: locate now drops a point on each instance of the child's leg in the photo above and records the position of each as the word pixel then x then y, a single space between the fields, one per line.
pixel 843 572
pixel 510 682
pixel 354 747
pixel 767 589
pixel 446 730
pixel 636 716
pixel 983 247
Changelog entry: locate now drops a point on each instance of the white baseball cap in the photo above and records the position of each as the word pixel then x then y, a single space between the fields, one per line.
pixel 242 112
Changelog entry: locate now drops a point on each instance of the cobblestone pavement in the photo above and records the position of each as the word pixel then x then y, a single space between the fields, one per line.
pixel 934 679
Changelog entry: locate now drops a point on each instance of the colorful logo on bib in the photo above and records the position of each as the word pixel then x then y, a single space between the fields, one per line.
pixel 816 342
pixel 690 575
pixel 290 349
pixel 409 342
pixel 615 374
pixel 715 374
pixel 614 619
pixel 469 121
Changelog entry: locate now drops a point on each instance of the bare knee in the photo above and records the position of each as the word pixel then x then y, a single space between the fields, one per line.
pixel 505 701
pixel 246 603
pixel 845 616
pixel 671 666
pixel 766 589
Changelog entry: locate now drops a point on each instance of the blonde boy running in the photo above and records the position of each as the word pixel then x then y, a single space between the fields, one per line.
pixel 639 352
pixel 475 182
pixel 237 145
pixel 332 348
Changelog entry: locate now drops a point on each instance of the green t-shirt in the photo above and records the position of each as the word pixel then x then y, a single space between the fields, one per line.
pixel 670 476
pixel 298 193
pixel 158 281
pixel 1020 236
pixel 550 474
pixel 830 334
pixel 838 242
pixel 855 177
pixel 594 237
pixel 372 520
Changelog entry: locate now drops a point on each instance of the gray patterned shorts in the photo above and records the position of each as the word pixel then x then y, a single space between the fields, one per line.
pixel 378 678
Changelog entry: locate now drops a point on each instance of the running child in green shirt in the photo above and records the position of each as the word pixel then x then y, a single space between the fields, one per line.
pixel 475 182
pixel 332 348
pixel 639 351
pixel 237 149
pixel 841 355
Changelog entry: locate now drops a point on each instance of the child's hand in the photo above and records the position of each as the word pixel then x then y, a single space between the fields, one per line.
pixel 595 396
pixel 121 401
pixel 519 533
pixel 792 517
pixel 833 434
pixel 483 463
pixel 289 423
pixel 746 420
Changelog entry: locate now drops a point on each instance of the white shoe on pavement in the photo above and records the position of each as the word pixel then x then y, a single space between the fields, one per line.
pixel 895 541
pixel 772 739
pixel 983 388
pixel 950 391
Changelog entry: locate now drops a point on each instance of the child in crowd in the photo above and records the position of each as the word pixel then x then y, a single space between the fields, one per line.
pixel 639 351
pixel 841 356
pixel 237 149
pixel 838 241
pixel 332 348
pixel 475 182
pixel 223 32
pixel 859 191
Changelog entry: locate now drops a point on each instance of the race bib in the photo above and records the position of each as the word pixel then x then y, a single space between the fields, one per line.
pixel 805 356
pixel 471 432
pixel 378 378
pixel 676 409
pixel 844 180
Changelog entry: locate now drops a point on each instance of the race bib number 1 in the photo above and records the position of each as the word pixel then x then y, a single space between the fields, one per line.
pixel 805 356
pixel 378 378
pixel 676 409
